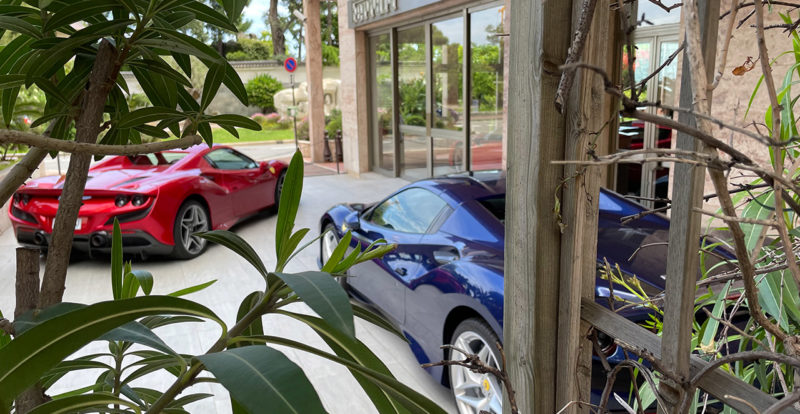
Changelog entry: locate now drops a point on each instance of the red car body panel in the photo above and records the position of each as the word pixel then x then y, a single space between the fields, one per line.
pixel 229 195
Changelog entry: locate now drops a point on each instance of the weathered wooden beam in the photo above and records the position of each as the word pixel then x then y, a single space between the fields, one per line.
pixel 685 225
pixel 727 388
pixel 584 114
pixel 540 34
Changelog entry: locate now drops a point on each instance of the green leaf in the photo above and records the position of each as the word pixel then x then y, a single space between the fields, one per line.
pixel 204 129
pixel 209 15
pixel 28 356
pixel 20 26
pixel 287 209
pixel 211 85
pixel 162 68
pixel 11 81
pixel 152 131
pixel 172 364
pixel 149 114
pixel 256 327
pixel 234 83
pixel 412 400
pixel 325 296
pixel 192 289
pixel 188 399
pixel 8 99
pixel 154 322
pixel 184 62
pixel 234 8
pixel 239 246
pixel 236 121
pixel 377 320
pixel 83 403
pixel 77 11
pixel 177 19
pixel 116 261
pixel 259 377
pixel 64 367
pixel 137 333
pixel 178 42
pixel 338 253
pixel 354 350
pixel 136 279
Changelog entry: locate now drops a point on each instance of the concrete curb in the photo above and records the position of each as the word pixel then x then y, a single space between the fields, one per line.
pixel 244 144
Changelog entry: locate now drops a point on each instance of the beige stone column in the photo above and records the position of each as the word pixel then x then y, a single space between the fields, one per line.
pixel 316 94
pixel 353 94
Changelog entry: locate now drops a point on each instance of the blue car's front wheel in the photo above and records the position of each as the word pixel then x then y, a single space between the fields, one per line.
pixel 475 393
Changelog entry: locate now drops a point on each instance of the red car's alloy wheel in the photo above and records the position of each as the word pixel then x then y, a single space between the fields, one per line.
pixel 192 218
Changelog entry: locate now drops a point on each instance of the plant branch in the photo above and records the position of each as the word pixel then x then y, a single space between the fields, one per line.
pixel 53 144
pixel 723 59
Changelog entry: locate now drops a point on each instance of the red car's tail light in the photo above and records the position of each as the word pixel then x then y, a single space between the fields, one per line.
pixel 26 198
pixel 121 200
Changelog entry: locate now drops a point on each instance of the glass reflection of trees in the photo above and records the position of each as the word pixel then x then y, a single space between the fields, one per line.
pixel 411 76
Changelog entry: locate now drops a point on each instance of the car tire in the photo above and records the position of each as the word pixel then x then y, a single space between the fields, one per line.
pixel 475 392
pixel 327 244
pixel 192 217
pixel 279 189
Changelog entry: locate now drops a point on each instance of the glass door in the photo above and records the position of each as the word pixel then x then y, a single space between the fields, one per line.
pixel 412 99
pixel 447 68
pixel 382 114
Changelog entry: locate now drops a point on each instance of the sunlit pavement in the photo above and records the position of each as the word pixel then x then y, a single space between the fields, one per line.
pixel 88 281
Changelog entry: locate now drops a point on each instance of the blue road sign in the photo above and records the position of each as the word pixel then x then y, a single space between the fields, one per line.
pixel 290 64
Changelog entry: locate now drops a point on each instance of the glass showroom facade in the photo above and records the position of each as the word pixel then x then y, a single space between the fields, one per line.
pixel 436 87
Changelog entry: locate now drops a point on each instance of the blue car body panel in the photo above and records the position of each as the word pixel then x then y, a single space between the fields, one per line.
pixel 422 296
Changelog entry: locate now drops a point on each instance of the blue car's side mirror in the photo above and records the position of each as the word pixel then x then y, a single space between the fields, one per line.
pixel 352 221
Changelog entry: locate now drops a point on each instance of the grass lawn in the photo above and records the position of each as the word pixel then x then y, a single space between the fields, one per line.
pixel 222 136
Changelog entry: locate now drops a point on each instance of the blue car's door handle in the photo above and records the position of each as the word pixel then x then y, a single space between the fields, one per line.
pixel 401 271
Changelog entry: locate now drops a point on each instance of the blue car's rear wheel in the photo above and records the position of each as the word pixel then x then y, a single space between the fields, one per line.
pixel 192 217
pixel 473 392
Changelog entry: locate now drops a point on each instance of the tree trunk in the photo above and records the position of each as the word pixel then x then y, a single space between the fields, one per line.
pixel 276 29
pixel 328 38
pixel 102 79
pixel 27 291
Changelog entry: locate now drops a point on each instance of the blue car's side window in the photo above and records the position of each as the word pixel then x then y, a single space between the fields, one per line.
pixel 410 211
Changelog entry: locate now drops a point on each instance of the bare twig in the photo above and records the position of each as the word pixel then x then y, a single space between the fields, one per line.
pixel 666 63
pixel 723 59
pixel 627 219
pixel 734 327
pixel 742 5
pixel 631 50
pixel 735 219
pixel 786 402
pixel 53 144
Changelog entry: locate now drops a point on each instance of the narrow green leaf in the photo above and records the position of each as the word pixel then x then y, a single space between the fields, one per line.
pixel 354 350
pixel 162 68
pixel 64 367
pixel 338 253
pixel 211 85
pixel 259 377
pixel 209 15
pixel 47 118
pixel 235 120
pixel 204 129
pixel 184 62
pixel 377 320
pixel 192 289
pixel 287 210
pixel 154 322
pixel 234 83
pixel 137 333
pixel 152 131
pixel 149 114
pixel 77 11
pixel 188 399
pixel 325 296
pixel 297 237
pixel 116 261
pixel 256 327
pixel 411 399
pixel 8 99
pixel 11 81
pixel 20 26
pixel 175 41
pixel 83 403
pixel 142 279
pixel 28 356
pixel 231 130
pixel 239 246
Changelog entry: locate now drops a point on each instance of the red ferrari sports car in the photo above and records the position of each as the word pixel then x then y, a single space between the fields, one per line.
pixel 160 200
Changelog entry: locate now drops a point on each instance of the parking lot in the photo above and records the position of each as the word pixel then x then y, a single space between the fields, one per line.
pixel 88 281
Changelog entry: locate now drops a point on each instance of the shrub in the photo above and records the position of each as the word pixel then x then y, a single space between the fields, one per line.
pixel 334 123
pixel 237 55
pixel 255 49
pixel 261 90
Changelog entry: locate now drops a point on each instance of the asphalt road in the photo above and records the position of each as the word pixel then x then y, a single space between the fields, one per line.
pixel 88 281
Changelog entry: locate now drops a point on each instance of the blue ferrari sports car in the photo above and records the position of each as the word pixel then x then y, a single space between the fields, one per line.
pixel 444 282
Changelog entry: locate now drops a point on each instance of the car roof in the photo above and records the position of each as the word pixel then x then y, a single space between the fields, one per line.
pixel 467 186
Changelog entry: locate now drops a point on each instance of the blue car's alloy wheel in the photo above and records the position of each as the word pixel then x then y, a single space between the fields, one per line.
pixel 475 393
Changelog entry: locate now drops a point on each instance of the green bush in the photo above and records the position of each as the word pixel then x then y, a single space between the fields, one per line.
pixel 330 55
pixel 261 90
pixel 236 56
pixel 334 123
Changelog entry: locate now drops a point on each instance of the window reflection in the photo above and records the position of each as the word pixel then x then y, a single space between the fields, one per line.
pixel 486 80
pixel 411 211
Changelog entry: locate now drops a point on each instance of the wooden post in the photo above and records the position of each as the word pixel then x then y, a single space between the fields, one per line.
pixel 27 292
pixel 684 232
pixel 540 35
pixel 316 93
pixel 585 113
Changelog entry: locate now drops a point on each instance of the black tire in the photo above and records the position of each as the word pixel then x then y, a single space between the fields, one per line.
pixel 279 189
pixel 474 336
pixel 327 243
pixel 192 217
